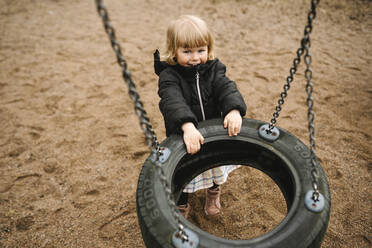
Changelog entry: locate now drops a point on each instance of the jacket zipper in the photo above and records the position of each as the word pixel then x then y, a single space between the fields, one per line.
pixel 199 94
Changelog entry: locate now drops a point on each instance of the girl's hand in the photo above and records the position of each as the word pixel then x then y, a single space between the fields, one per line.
pixel 233 121
pixel 192 137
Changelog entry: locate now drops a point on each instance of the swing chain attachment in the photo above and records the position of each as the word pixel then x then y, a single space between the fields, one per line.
pixel 303 50
pixel 145 124
pixel 181 234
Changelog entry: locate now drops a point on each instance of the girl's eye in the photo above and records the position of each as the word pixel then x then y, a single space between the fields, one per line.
pixel 186 51
pixel 201 50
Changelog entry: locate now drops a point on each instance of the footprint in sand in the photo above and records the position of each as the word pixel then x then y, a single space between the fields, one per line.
pixel 24 223
pixel 17 152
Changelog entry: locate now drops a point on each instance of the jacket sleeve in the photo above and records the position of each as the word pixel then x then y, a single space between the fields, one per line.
pixel 172 104
pixel 227 93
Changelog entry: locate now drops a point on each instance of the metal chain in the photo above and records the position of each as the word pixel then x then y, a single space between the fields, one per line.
pixel 181 232
pixel 146 126
pixel 304 49
pixel 286 87
pixel 296 62
pixel 311 117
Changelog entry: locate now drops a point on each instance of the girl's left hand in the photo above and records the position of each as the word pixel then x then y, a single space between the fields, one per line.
pixel 233 121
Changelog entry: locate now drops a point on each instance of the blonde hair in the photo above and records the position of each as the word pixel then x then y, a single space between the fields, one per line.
pixel 187 31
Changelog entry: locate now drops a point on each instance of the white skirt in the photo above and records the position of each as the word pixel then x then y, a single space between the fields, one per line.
pixel 205 180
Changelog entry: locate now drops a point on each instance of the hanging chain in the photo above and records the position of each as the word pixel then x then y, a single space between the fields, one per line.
pixel 181 232
pixel 310 118
pixel 296 62
pixel 304 49
pixel 145 124
pixel 286 87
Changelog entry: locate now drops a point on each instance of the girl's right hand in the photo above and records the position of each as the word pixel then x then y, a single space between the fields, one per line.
pixel 192 138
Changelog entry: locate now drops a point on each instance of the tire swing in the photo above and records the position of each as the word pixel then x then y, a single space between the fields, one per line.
pixel 289 162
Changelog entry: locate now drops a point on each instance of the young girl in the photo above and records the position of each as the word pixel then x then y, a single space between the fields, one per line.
pixel 193 87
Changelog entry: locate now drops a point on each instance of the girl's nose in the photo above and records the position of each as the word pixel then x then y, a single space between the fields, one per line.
pixel 195 56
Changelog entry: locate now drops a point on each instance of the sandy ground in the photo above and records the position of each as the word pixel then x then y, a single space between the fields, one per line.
pixel 71 148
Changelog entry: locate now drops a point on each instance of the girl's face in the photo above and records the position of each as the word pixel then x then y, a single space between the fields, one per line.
pixel 192 56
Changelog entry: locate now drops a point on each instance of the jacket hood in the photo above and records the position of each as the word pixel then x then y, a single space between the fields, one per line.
pixel 159 66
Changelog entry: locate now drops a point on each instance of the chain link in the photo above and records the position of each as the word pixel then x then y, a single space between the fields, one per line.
pixel 181 232
pixel 311 117
pixel 305 41
pixel 303 50
pixel 145 124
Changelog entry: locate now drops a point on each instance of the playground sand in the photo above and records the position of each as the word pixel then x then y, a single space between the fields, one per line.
pixel 71 148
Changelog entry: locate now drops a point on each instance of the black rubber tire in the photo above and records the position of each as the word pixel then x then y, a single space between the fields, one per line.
pixel 285 160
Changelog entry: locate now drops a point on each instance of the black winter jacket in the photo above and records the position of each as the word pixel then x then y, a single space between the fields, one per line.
pixel 179 93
